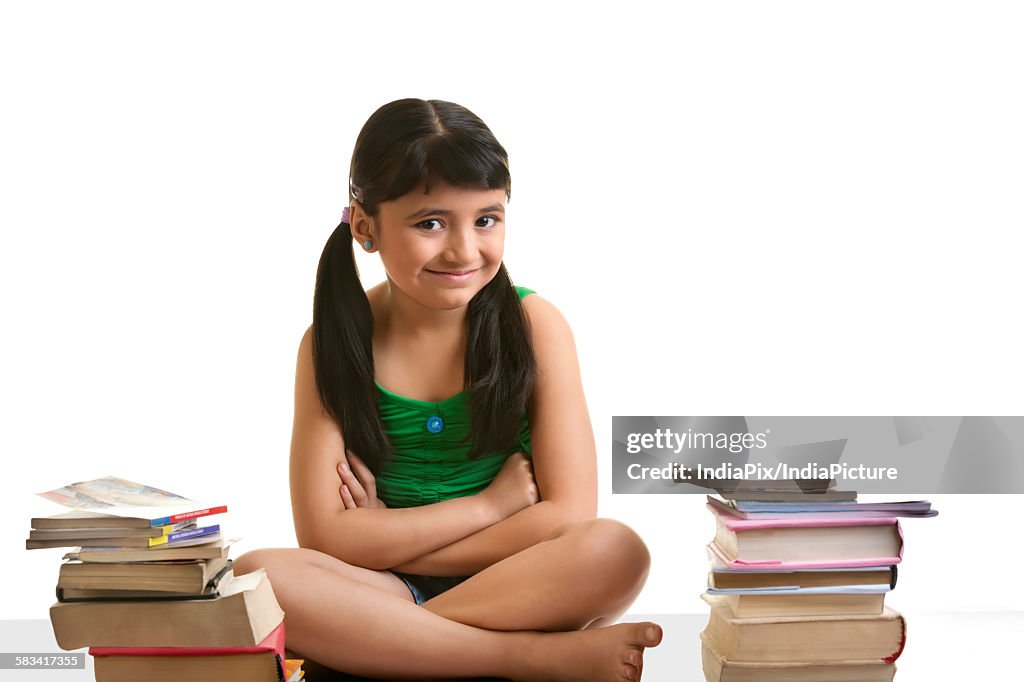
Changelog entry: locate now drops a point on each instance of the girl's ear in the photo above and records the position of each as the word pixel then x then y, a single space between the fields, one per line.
pixel 363 229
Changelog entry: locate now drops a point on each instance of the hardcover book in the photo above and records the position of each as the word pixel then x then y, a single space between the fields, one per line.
pixel 150 577
pixel 261 662
pixel 718 669
pixel 806 639
pixel 806 541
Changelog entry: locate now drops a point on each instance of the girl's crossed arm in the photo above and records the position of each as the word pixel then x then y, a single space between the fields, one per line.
pixel 376 538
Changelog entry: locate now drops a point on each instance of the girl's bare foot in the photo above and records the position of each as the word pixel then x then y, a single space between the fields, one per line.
pixel 609 654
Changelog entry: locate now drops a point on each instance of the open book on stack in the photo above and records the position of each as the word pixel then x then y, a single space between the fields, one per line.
pixel 148 585
pixel 112 512
pixel 797 587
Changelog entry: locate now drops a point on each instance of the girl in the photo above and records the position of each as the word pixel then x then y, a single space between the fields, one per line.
pixel 443 471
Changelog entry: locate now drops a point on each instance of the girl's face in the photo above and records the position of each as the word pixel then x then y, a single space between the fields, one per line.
pixel 441 248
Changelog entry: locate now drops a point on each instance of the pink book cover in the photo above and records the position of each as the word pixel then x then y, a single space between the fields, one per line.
pixel 737 524
pixel 272 642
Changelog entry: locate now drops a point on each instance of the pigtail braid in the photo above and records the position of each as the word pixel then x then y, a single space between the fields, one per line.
pixel 343 350
pixel 500 364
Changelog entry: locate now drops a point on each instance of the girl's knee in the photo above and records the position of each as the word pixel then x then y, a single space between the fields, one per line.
pixel 250 561
pixel 610 544
pixel 271 560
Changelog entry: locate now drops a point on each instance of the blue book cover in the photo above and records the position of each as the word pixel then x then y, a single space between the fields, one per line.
pixel 201 533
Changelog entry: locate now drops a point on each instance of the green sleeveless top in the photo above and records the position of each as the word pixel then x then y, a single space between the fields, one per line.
pixel 430 450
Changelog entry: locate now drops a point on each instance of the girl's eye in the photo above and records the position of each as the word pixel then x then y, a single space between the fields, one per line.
pixel 486 221
pixel 432 225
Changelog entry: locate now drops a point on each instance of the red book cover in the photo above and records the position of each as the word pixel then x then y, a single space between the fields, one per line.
pixel 184 516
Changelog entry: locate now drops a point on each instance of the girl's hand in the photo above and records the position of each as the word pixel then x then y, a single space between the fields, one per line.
pixel 358 485
pixel 514 488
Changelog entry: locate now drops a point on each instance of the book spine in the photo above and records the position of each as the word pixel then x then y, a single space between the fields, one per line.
pixel 209 511
pixel 184 535
pixel 272 642
pixel 174 527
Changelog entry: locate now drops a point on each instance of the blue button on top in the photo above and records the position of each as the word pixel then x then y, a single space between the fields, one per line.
pixel 435 424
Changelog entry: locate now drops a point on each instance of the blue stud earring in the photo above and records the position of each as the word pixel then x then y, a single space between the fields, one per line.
pixel 368 244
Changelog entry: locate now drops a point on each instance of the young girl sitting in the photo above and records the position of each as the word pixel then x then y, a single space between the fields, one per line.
pixel 443 469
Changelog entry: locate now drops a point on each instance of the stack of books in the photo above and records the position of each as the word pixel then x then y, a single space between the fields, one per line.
pixel 149 589
pixel 797 586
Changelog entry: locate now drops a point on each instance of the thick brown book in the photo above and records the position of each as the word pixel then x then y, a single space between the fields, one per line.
pixel 189 575
pixel 260 663
pixel 244 613
pixel 719 669
pixel 228 667
pixel 805 639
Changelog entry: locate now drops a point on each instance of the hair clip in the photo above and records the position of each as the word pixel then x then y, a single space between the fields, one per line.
pixel 356 192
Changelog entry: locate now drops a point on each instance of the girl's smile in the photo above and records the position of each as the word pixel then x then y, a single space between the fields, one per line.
pixel 457 276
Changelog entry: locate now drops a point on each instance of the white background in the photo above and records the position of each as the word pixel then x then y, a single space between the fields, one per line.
pixel 742 208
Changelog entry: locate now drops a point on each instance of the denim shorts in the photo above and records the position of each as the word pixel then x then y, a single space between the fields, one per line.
pixel 426 587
